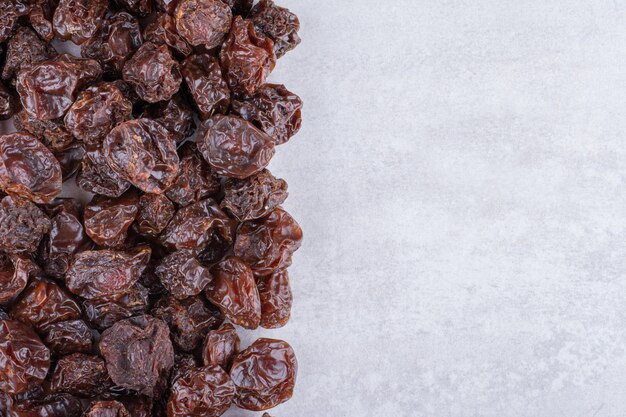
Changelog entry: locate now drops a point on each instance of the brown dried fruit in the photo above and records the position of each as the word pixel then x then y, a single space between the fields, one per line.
pixel 22 225
pixel 54 405
pixel 70 336
pixel 277 23
pixel 81 375
pixel 276 299
pixel 52 133
pixel 220 346
pixel 175 115
pixel 195 180
pixel 204 391
pixel 107 220
pixel 203 22
pixel 182 274
pixel 79 20
pixel 14 273
pixel 25 48
pixel 155 212
pixel 96 176
pixel 106 409
pixel 163 32
pixel 105 311
pixel 206 84
pixel 253 197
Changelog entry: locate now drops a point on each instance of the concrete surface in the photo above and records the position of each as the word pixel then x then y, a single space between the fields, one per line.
pixel 460 180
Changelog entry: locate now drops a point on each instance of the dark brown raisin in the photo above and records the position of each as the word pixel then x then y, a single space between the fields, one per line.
pixel 52 133
pixel 103 312
pixel 138 7
pixel 155 212
pixel 81 375
pixel 107 220
pixel 14 274
pixel 22 225
pixel 54 405
pixel 79 20
pixel 70 336
pixel 253 197
pixel 206 84
pixel 220 346
pixel 276 299
pixel 96 176
pixel 182 274
pixel 204 391
pixel 106 409
pixel 9 103
pixel 163 32
pixel 24 49
pixel 203 22
pixel 175 115
pixel 277 23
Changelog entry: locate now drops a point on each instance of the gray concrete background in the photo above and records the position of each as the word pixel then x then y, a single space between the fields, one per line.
pixel 460 180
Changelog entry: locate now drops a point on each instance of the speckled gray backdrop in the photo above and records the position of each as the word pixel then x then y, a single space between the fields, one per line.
pixel 460 179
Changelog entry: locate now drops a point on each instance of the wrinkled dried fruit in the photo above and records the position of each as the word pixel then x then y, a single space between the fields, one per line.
pixel 115 42
pixel 220 346
pixel 253 197
pixel 28 169
pixel 273 109
pixel 277 23
pixel 167 6
pixel 142 152
pixel 189 320
pixel 66 238
pixel 153 72
pixel 25 360
pixel 183 362
pixel 247 57
pixel 267 244
pixel 204 391
pixel 107 220
pixel 155 212
pixel 52 133
pixel 276 299
pixel 22 225
pixel 70 159
pixel 71 336
pixel 103 312
pixel 139 354
pixel 163 32
pixel 175 115
pixel 40 16
pixel 106 409
pixel 96 176
pixel 193 225
pixel 138 406
pixel 234 292
pixel 96 111
pixel 79 20
pixel 48 89
pixel 264 374
pixel 234 147
pixel 195 180
pixel 182 275
pixel 55 405
pixel 102 273
pixel 206 84
pixel 14 273
pixel 10 12
pixel 43 303
pixel 25 48
pixel 81 375
pixel 240 7
pixel 203 22
pixel 8 103
pixel 138 7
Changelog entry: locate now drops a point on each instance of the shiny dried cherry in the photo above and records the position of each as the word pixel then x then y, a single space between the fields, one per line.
pixel 220 346
pixel 22 225
pixel 253 197
pixel 107 220
pixel 203 22
pixel 276 299
pixel 79 20
pixel 206 391
pixel 206 84
pixel 277 23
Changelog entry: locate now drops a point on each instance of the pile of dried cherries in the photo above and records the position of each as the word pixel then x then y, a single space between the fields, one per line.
pixel 129 305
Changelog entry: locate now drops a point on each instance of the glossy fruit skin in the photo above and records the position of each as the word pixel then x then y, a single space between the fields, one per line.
pixel 234 292
pixel 277 23
pixel 192 226
pixel 96 111
pixel 52 133
pixel 247 57
pixel 163 32
pixel 70 159
pixel 267 244
pixel 203 77
pixel 220 346
pixel 104 312
pixel 79 20
pixel 153 72
pixel 22 225
pixel 24 357
pixel 182 274
pixel 14 274
pixel 48 89
pixel 204 391
pixel 43 303
pixel 24 49
pixel 233 147
pixel 70 336
pixel 28 169
pixel 167 6
pixel 40 16
pixel 10 12
pixel 203 22
pixel 66 237
pixel 137 7
pixel 115 42
pixel 240 7
pixel 9 104
pixel 53 405
pixel 253 197
pixel 264 374
pixel 105 273
pixel 175 115
pixel 188 319
pixel 107 220
pixel 155 212
pixel 106 409
pixel 81 375
pixel 139 354
pixel 142 152
pixel 195 181
pixel 276 299
pixel 96 175
pixel 273 109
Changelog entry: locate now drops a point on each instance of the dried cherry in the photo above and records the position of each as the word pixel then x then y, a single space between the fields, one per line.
pixel 10 12
pixel 70 336
pixel 96 176
pixel 220 346
pixel 182 274
pixel 206 84
pixel 103 312
pixel 142 152
pixel 253 197
pixel 175 115
pixel 52 133
pixel 234 147
pixel 28 169
pixel 264 374
pixel 22 225
pixel 204 391
pixel 267 244
pixel 138 7
pixel 25 359
pixel 163 32
pixel 139 354
pixel 155 212
pixel 277 23
pixel 25 48
pixel 276 299
pixel 9 104
pixel 234 292
pixel 203 22
pixel 106 409
pixel 79 20
pixel 54 405
pixel 107 220
pixel 81 375
pixel 195 180
pixel 14 273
